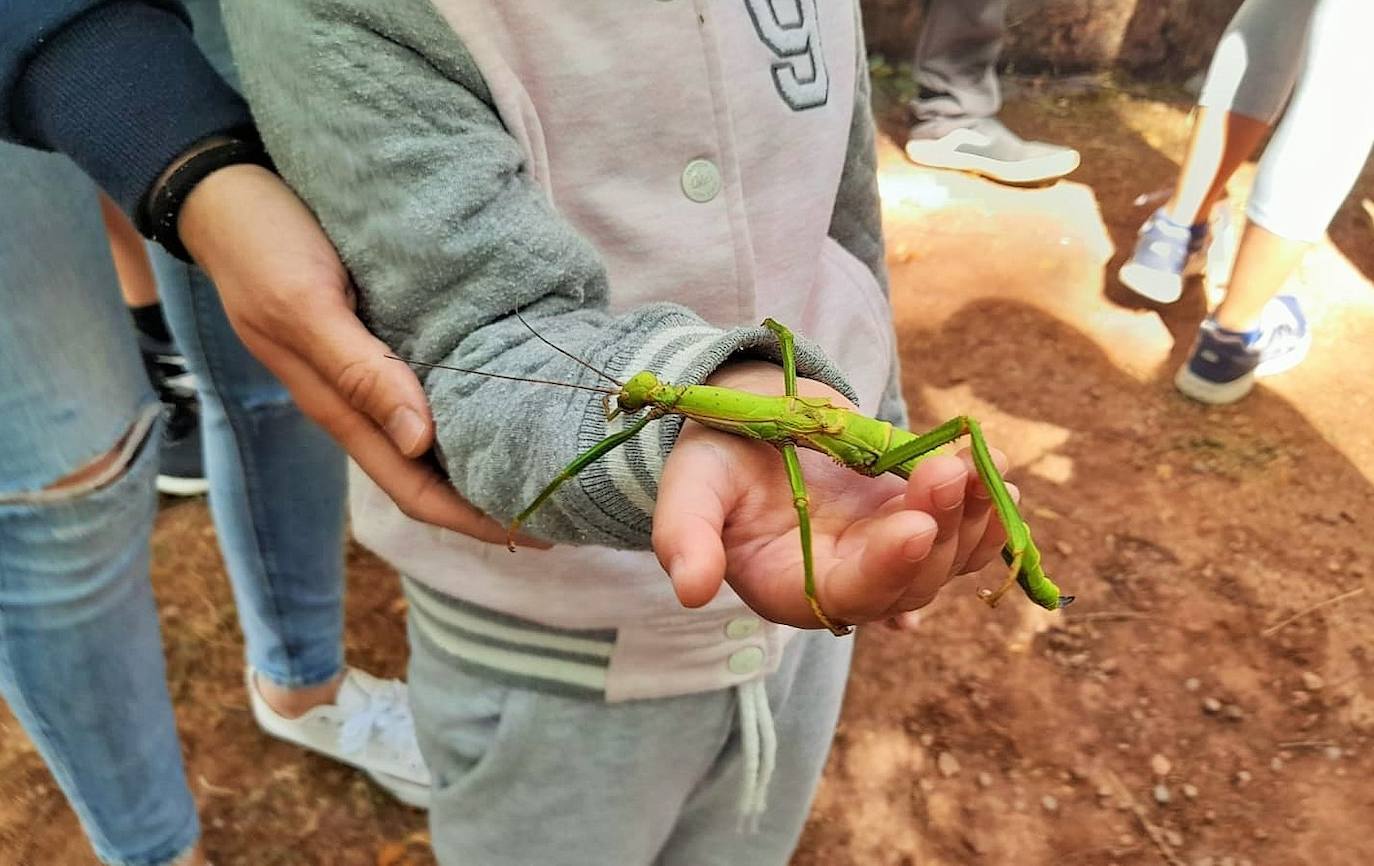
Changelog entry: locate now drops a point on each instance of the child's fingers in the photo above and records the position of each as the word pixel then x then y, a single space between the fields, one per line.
pixel 979 501
pixel 938 487
pixel 689 518
pixel 864 587
pixel 990 544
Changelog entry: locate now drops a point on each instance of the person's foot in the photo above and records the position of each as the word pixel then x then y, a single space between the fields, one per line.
pixel 1166 254
pixel 180 469
pixel 368 726
pixel 1223 365
pixel 990 149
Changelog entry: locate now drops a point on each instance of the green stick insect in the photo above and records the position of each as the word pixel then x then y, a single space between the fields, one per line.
pixel 866 445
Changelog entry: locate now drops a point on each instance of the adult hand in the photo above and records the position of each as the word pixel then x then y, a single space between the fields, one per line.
pixel 290 300
pixel 882 547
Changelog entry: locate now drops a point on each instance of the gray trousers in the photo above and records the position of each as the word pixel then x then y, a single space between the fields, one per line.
pixel 956 64
pixel 1317 52
pixel 523 777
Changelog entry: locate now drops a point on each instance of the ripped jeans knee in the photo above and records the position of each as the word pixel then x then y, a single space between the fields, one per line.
pixel 98 473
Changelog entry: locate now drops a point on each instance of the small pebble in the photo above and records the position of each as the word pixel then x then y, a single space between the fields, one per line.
pixel 948 765
pixel 1104 791
pixel 1050 803
pixel 1243 777
pixel 1261 834
pixel 1333 753
pixel 927 785
pixel 1192 684
pixel 1160 765
pixel 927 740
pixel 1162 795
pixel 985 780
pixel 1190 791
pixel 1233 713
pixel 1174 838
pixel 1209 816
pixel 1064 548
pixel 1211 706
pixel 1125 839
pixel 1312 681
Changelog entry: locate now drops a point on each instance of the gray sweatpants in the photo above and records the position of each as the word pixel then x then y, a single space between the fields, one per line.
pixel 956 64
pixel 523 777
pixel 1319 52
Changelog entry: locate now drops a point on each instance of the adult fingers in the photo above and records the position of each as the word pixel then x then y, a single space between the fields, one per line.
pixel 417 490
pixel 359 368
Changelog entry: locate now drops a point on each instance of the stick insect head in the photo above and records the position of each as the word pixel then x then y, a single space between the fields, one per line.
pixel 638 392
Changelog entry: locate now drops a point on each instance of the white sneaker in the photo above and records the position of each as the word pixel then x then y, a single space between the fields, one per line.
pixel 369 726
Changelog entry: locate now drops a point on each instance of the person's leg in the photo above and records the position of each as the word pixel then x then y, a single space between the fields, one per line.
pixel 805 697
pixel 1307 170
pixel 958 97
pixel 81 660
pixel 180 470
pixel 277 494
pixel 956 65
pixel 523 776
pixel 1247 85
pixel 634 783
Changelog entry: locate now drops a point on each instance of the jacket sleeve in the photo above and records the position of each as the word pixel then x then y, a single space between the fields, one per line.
pixel 118 86
pixel 380 119
pixel 856 222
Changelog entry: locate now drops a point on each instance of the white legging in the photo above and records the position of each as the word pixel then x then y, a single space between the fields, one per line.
pixel 1320 52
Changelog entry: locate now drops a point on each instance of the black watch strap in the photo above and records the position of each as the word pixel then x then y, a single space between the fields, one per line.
pixel 157 217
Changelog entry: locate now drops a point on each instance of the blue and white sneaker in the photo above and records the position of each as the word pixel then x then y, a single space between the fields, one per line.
pixel 1223 365
pixel 1166 254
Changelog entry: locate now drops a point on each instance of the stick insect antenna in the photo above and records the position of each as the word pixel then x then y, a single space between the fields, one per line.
pixel 566 353
pixel 414 363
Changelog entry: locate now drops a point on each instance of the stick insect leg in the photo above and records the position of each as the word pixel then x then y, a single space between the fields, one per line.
pixel 789 356
pixel 1018 534
pixel 582 461
pixel 801 501
pixel 1013 560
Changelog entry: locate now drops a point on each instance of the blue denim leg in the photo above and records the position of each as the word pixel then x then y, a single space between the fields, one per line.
pixel 277 490
pixel 277 482
pixel 81 660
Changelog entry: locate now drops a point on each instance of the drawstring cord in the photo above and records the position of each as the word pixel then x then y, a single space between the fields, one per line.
pixel 759 739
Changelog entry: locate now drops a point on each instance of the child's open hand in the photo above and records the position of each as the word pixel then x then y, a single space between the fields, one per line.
pixel 882 547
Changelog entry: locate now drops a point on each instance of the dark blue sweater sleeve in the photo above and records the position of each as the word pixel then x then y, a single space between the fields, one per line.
pixel 118 86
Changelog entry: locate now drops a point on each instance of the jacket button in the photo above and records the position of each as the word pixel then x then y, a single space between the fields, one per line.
pixel 741 628
pixel 701 180
pixel 746 661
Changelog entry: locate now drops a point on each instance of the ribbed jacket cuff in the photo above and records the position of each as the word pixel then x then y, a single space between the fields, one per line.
pixel 684 351
pixel 123 90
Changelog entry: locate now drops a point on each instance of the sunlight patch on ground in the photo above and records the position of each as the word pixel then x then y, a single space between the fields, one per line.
pixel 1047 247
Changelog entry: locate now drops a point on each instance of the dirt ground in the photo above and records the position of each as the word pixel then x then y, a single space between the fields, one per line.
pixel 1208 700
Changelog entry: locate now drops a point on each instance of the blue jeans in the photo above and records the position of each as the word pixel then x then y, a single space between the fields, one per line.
pixel 80 654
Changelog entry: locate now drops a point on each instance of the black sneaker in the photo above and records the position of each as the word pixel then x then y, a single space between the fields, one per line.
pixel 180 466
